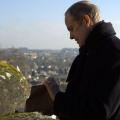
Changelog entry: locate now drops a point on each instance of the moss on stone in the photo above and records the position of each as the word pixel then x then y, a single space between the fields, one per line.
pixel 14 88
pixel 25 116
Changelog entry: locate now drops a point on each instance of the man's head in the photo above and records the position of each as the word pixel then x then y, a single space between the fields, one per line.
pixel 80 19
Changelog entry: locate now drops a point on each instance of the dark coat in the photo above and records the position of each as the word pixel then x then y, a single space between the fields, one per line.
pixel 93 91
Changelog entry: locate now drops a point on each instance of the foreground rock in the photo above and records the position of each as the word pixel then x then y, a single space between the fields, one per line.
pixel 14 88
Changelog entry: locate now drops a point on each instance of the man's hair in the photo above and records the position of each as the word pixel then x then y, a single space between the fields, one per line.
pixel 79 9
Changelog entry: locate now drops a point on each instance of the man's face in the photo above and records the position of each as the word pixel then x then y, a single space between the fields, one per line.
pixel 78 31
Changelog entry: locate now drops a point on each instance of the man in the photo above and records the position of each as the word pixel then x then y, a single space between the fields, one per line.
pixel 93 90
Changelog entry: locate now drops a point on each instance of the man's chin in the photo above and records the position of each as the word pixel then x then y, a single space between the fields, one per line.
pixel 79 44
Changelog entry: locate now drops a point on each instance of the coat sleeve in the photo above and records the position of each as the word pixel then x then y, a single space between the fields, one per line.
pixel 112 103
pixel 72 107
pixel 69 105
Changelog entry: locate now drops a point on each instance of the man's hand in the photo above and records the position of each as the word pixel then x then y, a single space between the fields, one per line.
pixel 52 87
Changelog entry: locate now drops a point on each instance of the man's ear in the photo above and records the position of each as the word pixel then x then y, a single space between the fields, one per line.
pixel 87 20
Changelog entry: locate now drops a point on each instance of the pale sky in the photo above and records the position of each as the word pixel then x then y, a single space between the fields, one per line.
pixel 39 24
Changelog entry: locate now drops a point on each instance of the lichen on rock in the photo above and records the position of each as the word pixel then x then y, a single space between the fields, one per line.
pixel 26 116
pixel 14 88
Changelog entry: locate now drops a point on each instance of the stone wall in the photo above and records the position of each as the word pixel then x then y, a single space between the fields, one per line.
pixel 26 116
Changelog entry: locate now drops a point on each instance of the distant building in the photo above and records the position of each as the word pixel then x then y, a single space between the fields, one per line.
pixel 32 55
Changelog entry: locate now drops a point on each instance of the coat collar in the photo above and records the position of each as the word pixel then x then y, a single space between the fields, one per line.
pixel 97 36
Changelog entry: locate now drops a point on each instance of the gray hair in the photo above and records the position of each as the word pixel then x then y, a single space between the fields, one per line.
pixel 79 9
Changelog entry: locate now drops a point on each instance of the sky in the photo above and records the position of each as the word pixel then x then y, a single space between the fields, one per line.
pixel 39 24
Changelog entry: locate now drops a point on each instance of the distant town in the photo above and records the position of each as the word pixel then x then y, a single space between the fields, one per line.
pixel 38 64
